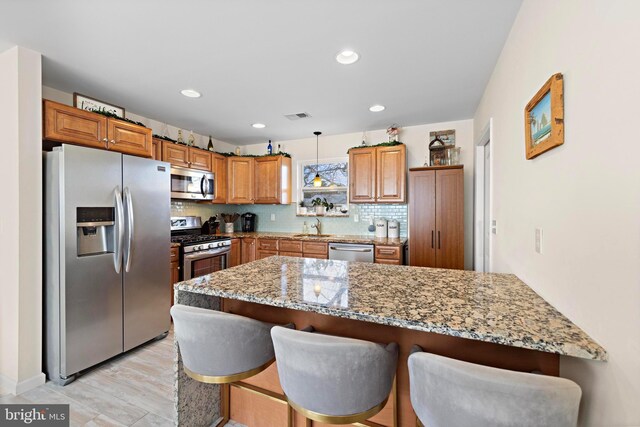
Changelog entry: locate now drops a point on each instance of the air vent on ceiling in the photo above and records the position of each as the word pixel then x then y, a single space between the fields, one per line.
pixel 297 116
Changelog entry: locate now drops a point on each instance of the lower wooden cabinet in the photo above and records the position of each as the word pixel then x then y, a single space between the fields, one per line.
pixel 388 255
pixel 235 257
pixel 175 270
pixel 318 250
pixel 248 250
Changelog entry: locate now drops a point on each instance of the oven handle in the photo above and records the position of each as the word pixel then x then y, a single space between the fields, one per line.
pixel 207 254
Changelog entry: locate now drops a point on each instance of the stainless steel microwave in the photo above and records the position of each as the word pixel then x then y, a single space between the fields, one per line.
pixel 191 184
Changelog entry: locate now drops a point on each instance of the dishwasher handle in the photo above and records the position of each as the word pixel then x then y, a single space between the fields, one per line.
pixel 335 248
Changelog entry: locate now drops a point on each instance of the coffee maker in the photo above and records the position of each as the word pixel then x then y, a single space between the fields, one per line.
pixel 248 221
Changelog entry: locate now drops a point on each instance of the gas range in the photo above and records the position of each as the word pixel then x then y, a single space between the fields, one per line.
pixel 200 253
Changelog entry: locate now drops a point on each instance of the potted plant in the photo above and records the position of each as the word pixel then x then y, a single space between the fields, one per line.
pixel 317 203
pixel 302 209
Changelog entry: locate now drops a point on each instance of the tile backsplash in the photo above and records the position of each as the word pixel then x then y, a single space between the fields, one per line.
pixel 287 221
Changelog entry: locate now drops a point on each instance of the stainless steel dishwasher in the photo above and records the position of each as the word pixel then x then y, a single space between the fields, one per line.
pixel 351 252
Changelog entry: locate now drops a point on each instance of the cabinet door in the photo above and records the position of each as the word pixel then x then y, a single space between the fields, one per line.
pixel 69 124
pixel 219 168
pixel 248 249
pixel 156 150
pixel 267 180
pixel 422 218
pixel 362 175
pixel 235 257
pixel 199 159
pixel 175 278
pixel 391 180
pixel 450 218
pixel 177 155
pixel 240 180
pixel 266 254
pixel 128 138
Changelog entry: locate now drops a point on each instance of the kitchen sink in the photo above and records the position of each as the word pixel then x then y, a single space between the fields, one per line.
pixel 312 235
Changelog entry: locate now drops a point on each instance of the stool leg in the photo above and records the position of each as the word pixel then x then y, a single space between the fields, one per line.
pixel 419 423
pixel 307 422
pixel 289 416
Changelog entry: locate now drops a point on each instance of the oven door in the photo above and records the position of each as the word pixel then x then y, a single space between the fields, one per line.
pixel 191 184
pixel 196 264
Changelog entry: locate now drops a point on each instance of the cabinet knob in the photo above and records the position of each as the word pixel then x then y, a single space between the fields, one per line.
pixel 105 140
pixel 113 141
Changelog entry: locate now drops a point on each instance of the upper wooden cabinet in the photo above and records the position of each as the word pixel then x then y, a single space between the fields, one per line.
pixel 177 155
pixel 362 175
pixel 436 217
pixel 199 159
pixel 240 180
pixel 63 123
pixel 391 174
pixel 186 157
pixel 156 149
pixel 69 124
pixel 378 174
pixel 272 177
pixel 129 138
pixel 219 169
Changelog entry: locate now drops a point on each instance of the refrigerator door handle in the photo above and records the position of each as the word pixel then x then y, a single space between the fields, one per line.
pixel 129 248
pixel 119 235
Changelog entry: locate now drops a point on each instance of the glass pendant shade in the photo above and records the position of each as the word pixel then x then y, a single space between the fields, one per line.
pixel 317 181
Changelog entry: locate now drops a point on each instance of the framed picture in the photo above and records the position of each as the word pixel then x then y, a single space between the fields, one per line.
pixel 544 118
pixel 85 103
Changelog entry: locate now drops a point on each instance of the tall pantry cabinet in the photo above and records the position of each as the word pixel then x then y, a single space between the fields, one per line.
pixel 436 217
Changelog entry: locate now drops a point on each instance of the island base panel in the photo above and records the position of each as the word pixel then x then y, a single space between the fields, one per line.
pixel 489 354
pixel 203 404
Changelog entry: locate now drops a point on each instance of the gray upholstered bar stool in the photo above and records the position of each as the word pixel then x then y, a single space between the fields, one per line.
pixel 334 379
pixel 453 393
pixel 222 348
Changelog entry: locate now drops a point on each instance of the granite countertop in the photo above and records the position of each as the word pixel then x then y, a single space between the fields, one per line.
pixel 332 238
pixel 497 308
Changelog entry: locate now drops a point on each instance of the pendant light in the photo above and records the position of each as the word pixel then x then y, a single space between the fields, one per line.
pixel 317 181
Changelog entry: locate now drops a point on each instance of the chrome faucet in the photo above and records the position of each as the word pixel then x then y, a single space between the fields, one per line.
pixel 318 227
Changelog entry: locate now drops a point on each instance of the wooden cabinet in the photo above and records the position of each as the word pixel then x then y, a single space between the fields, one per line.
pixel 156 149
pixel 391 174
pixel 378 174
pixel 240 180
pixel 186 157
pixel 291 246
pixel 267 248
pixel 63 123
pixel 69 124
pixel 199 159
pixel 388 254
pixel 219 169
pixel 129 138
pixel 235 256
pixel 315 250
pixel 272 177
pixel 175 270
pixel 436 217
pixel 362 175
pixel 248 250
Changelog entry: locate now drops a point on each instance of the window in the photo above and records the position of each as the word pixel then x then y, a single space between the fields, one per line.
pixel 335 183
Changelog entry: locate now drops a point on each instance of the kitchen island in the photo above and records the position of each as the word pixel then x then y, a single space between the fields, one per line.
pixel 491 319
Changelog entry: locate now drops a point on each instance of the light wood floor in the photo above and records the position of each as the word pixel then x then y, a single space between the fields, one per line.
pixel 135 389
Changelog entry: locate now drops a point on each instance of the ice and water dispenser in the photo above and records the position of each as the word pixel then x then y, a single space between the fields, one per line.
pixel 95 230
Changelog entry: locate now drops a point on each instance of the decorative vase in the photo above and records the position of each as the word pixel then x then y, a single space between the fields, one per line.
pixel 228 227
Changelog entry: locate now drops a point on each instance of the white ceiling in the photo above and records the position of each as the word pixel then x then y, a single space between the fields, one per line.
pixel 255 60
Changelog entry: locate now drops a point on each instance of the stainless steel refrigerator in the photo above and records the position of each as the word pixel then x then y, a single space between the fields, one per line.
pixel 107 240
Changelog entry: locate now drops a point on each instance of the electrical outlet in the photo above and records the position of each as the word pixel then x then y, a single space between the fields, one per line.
pixel 356 218
pixel 539 240
pixel 494 226
pixel 273 217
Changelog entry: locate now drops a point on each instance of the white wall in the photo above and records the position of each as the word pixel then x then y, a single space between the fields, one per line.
pixel 585 194
pixel 21 220
pixel 415 137
pixel 158 127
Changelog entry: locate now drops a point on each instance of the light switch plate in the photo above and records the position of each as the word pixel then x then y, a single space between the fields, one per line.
pixel 273 217
pixel 539 240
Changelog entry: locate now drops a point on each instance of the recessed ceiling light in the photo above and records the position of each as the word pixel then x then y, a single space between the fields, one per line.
pixel 347 57
pixel 190 93
pixel 259 125
pixel 376 108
